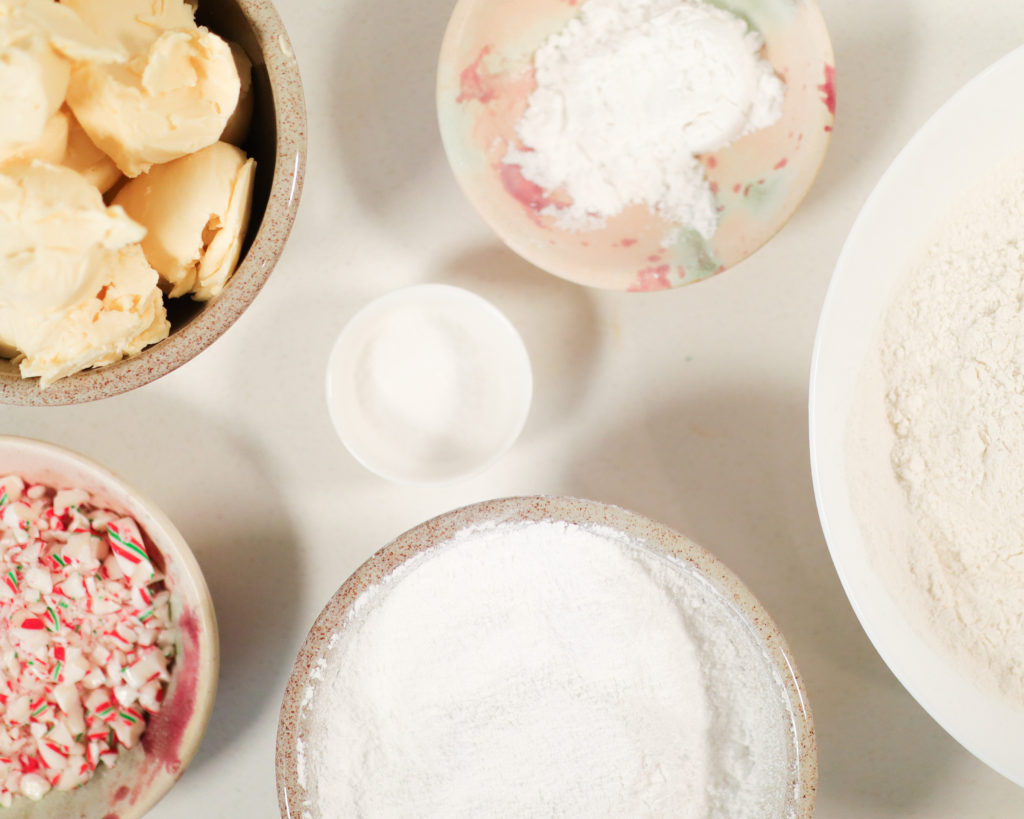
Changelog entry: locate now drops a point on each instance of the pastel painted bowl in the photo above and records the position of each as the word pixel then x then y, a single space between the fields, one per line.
pixel 277 141
pixel 485 76
pixel 146 772
pixel 298 711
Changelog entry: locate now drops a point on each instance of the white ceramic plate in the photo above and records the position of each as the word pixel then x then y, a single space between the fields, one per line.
pixel 970 137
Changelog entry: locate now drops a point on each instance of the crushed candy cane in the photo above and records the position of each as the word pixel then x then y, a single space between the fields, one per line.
pixel 86 642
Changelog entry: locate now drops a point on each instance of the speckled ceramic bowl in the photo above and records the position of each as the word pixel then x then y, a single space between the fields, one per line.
pixel 144 774
pixel 485 76
pixel 277 140
pixel 295 721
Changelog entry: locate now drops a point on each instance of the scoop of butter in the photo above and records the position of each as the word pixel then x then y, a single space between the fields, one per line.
pixel 65 143
pixel 33 81
pixel 54 228
pixel 124 316
pixel 195 211
pixel 52 144
pixel 133 24
pixel 65 263
pixel 38 41
pixel 82 155
pixel 173 96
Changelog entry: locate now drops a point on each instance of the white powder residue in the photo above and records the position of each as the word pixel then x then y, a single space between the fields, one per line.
pixel 627 94
pixel 548 670
pixel 952 371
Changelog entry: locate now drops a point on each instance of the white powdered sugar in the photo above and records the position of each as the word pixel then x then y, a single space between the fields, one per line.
pixel 951 365
pixel 546 669
pixel 627 94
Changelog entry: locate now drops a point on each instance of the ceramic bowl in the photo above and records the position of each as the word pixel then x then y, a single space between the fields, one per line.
pixel 468 369
pixel 972 136
pixel 277 140
pixel 145 773
pixel 485 76
pixel 296 716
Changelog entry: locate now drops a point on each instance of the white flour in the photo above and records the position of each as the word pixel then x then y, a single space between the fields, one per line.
pixel 627 93
pixel 546 670
pixel 952 367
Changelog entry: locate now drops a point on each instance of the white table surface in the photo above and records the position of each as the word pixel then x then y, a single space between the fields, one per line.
pixel 687 406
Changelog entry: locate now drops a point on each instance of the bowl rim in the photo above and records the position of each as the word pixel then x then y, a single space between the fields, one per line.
pixel 217 315
pixel 533 508
pixel 171 541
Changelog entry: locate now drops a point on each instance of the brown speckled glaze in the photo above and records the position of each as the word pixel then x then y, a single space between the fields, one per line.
pixel 292 799
pixel 278 142
pixel 144 774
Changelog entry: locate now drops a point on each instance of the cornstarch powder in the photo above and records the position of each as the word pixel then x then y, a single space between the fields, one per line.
pixel 951 367
pixel 627 94
pixel 546 669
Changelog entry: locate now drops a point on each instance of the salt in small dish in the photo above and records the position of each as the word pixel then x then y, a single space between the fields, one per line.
pixel 429 383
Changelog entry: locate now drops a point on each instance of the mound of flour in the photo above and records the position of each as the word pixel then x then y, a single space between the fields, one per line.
pixel 546 670
pixel 951 367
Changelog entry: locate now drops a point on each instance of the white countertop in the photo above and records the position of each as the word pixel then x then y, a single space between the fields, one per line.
pixel 687 406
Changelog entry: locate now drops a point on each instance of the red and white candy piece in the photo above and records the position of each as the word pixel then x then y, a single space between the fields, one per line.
pixel 85 638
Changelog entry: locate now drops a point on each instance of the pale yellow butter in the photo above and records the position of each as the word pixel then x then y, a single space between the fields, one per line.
pixel 52 144
pixel 39 40
pixel 172 97
pixel 195 211
pixel 75 289
pixel 83 156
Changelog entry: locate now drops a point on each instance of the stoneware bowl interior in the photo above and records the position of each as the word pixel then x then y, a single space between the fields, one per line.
pixel 485 76
pixel 277 141
pixel 293 800
pixel 147 772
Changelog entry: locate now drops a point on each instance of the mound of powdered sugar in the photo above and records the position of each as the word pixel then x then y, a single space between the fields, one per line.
pixel 627 94
pixel 546 669
pixel 950 364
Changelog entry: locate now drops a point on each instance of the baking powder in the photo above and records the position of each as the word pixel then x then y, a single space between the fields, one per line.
pixel 952 370
pixel 627 94
pixel 546 669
